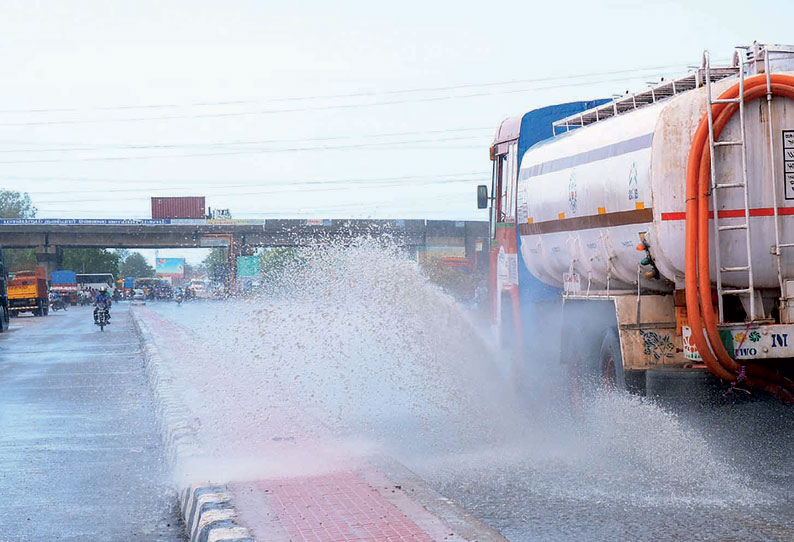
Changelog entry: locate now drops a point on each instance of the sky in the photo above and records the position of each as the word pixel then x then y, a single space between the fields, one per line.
pixel 316 109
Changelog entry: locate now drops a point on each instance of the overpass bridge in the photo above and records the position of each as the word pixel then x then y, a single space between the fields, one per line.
pixel 49 236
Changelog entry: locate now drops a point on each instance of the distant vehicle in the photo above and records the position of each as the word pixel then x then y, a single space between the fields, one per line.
pixel 64 283
pixel 146 284
pixel 57 301
pixel 198 288
pixel 27 292
pixel 219 214
pixel 138 294
pixel 163 291
pixel 197 285
pixel 3 296
pixel 155 288
pixel 87 281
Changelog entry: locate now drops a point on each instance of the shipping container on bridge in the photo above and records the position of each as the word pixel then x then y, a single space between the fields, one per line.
pixel 185 207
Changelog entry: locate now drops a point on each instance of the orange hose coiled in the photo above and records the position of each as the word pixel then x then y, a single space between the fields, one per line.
pixel 697 272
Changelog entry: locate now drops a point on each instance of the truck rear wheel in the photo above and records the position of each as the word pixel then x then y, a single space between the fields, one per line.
pixel 598 368
pixel 611 362
pixel 588 350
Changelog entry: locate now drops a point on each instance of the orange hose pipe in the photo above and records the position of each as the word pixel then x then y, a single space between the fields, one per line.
pixel 690 269
pixel 696 211
pixel 758 376
pixel 697 260
pixel 697 272
pixel 703 230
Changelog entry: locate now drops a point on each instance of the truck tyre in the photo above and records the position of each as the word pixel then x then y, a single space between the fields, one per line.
pixel 611 362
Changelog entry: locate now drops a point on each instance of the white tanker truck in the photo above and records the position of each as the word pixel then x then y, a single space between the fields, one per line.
pixel 604 230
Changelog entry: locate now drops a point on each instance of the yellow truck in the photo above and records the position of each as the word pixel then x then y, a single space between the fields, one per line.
pixel 27 292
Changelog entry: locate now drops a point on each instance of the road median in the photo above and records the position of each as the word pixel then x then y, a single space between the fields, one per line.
pixel 207 508
pixel 281 488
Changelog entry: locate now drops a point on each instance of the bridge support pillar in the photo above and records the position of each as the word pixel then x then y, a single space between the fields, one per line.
pixel 50 258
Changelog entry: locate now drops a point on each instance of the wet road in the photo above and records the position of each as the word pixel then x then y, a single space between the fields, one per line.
pixel 417 388
pixel 80 458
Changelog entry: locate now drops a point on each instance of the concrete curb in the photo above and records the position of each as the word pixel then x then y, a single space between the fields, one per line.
pixel 207 509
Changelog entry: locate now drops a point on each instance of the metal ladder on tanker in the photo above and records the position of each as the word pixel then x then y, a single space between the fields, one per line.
pixel 716 187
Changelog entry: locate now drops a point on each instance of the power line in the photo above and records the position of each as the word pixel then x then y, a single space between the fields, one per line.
pixel 252 181
pixel 679 65
pixel 391 145
pixel 326 187
pixel 228 114
pixel 141 146
pixel 313 185
pixel 273 191
pixel 284 184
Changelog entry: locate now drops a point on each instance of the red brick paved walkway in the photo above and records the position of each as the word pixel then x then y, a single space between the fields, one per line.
pixel 338 507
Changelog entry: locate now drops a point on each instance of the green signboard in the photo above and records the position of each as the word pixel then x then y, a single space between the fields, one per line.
pixel 248 266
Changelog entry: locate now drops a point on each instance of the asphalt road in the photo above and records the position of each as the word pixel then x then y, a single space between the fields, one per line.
pixel 410 381
pixel 80 457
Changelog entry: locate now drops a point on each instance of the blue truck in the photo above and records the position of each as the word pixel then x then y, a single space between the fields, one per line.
pixel 65 284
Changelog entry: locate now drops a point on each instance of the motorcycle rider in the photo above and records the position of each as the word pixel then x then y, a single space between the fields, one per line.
pixel 102 299
pixel 56 301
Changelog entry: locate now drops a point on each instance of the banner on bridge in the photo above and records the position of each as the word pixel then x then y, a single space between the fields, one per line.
pixel 127 221
pixel 84 221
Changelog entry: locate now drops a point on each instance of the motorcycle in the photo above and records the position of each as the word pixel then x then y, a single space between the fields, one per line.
pixel 56 301
pixel 179 297
pixel 102 317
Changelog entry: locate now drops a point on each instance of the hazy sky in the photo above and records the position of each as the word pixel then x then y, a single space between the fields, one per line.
pixel 315 109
